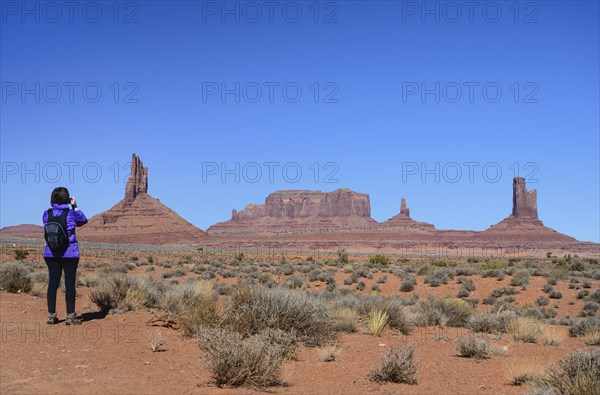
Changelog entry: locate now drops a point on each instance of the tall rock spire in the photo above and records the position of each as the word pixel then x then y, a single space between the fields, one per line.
pixel 405 211
pixel 138 179
pixel 524 201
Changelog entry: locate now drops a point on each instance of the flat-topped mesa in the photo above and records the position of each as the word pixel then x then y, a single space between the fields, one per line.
pixel 524 201
pixel 305 204
pixel 138 179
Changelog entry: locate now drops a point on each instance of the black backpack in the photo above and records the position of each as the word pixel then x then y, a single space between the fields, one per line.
pixel 55 232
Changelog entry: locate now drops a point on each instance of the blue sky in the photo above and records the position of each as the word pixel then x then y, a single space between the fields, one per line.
pixel 386 98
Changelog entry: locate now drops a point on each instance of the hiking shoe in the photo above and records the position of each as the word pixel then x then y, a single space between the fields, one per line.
pixel 52 319
pixel 72 319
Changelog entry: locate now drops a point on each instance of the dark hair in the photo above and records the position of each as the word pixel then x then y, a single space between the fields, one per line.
pixel 60 195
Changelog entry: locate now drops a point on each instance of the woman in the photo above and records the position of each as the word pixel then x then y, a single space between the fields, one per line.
pixel 57 261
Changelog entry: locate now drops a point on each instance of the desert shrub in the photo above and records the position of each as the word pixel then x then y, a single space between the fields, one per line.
pixel 360 286
pixel 538 312
pixel 486 323
pixel 467 283
pixel 249 310
pixel 576 374
pixel 342 255
pixel 489 300
pixel 42 277
pixel 464 271
pixel 595 296
pixel 294 282
pixel 21 254
pixel 498 292
pixel 499 274
pixel 547 288
pixel 207 275
pixel 581 327
pixel 378 320
pixel 397 366
pixel 520 278
pixel 587 284
pixel 15 277
pixel 583 294
pixel 443 312
pixel 462 293
pixel 382 280
pixel 473 347
pixel 437 278
pixel 254 361
pixel 589 309
pixel 541 301
pixel 555 294
pixel 408 284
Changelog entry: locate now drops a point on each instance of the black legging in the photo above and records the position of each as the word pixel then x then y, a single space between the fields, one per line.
pixel 55 268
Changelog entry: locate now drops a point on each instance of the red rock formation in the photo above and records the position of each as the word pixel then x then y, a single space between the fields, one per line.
pixel 523 224
pixel 403 220
pixel 139 218
pixel 138 180
pixel 405 211
pixel 299 212
pixel 25 230
pixel 524 201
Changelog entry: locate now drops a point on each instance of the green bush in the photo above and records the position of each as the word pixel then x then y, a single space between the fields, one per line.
pixel 379 258
pixel 493 266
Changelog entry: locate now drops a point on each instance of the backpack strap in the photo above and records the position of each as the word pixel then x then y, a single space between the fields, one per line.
pixel 64 213
pixel 50 213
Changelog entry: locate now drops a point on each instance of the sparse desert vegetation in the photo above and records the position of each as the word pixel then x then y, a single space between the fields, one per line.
pixel 256 320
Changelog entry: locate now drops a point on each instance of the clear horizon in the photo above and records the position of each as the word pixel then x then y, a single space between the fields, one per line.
pixel 227 102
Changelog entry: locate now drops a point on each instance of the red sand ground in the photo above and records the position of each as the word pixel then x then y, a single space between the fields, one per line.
pixel 112 355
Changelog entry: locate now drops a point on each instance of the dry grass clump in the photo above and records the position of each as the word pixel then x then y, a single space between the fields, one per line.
pixel 525 372
pixel 329 353
pixel 553 335
pixel 249 310
pixel 156 340
pixel 525 329
pixel 473 347
pixel 111 290
pixel 15 277
pixel 592 337
pixel 395 308
pixel 397 366
pixel 378 320
pixel 236 361
pixel 344 319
